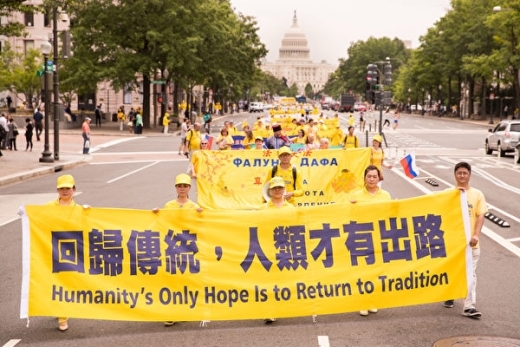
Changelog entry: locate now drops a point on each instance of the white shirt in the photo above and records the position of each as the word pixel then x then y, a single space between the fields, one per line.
pixel 184 129
pixel 3 122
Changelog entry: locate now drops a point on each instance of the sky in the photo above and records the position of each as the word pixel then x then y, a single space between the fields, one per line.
pixel 330 26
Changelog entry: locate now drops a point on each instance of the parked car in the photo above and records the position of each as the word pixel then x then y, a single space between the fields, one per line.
pixel 504 138
pixel 416 107
pixel 256 107
pixel 361 107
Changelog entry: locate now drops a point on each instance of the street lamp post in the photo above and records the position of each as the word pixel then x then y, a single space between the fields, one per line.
pixel 56 85
pixel 46 154
pixel 491 98
pixel 440 100
pixel 422 102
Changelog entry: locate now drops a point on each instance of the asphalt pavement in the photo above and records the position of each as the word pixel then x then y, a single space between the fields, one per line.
pixel 19 165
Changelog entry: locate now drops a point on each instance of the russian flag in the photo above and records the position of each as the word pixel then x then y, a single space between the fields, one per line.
pixel 409 166
pixel 210 139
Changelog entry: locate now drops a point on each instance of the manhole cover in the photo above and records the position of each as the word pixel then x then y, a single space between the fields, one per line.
pixel 477 341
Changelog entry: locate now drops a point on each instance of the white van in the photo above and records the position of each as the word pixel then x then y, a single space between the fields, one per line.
pixel 256 107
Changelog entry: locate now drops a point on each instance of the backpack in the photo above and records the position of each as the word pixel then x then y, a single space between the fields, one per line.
pixel 275 168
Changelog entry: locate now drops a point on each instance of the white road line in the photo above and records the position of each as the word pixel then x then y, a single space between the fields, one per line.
pixel 11 343
pixel 133 172
pixel 323 341
pixel 515 239
pixel 174 153
pixel 136 161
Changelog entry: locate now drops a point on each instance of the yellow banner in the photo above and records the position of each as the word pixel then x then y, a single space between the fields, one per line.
pixel 234 179
pixel 182 265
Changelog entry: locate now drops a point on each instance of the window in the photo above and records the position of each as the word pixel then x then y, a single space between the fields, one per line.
pixel 29 19
pixel 47 19
pixel 127 94
pixel 29 44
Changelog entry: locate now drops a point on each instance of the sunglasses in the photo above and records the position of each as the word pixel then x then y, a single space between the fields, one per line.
pixel 204 143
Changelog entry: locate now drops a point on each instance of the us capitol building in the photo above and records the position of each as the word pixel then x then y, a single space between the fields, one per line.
pixel 295 64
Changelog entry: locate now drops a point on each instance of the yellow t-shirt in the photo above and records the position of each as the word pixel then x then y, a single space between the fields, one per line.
pixel 476 205
pixel 287 175
pixel 176 204
pixel 166 119
pixel 193 138
pixel 351 141
pixel 377 157
pixel 269 205
pixel 57 202
pixel 362 195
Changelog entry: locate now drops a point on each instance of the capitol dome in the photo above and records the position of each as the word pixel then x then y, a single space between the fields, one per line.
pixel 294 44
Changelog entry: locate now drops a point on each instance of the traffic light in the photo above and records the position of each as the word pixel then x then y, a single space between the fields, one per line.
pixel 377 98
pixel 368 96
pixel 387 70
pixel 372 74
pixel 387 98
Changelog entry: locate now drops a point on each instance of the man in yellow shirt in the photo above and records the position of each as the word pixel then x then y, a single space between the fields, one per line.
pixel 477 208
pixel 193 139
pixel 351 140
pixel 290 174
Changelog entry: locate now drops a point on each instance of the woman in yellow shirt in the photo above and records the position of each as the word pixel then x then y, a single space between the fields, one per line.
pixel 377 156
pixel 301 137
pixel 224 140
pixel 371 192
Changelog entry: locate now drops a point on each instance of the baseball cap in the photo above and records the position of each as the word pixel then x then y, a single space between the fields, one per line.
pixel 378 138
pixel 65 181
pixel 259 138
pixel 284 150
pixel 272 183
pixel 183 179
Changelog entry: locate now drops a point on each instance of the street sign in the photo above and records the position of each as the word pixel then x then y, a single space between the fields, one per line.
pixel 158 82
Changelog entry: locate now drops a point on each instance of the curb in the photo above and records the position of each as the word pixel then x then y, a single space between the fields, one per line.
pixel 39 172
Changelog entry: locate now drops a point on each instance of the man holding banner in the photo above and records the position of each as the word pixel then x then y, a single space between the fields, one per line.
pixel 289 173
pixel 477 209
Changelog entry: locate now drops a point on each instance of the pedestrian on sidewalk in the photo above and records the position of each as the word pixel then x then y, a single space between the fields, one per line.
pixel 12 134
pixel 28 134
pixel 85 132
pixel 166 120
pixel 97 113
pixel 38 123
pixel 121 117
pixel 3 131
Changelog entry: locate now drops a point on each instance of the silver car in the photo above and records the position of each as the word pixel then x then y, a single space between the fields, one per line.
pixel 505 137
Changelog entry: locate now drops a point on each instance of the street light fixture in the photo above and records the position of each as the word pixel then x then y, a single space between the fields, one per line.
pixel 46 157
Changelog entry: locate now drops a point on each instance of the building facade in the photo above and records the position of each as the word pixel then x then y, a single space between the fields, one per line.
pixel 294 63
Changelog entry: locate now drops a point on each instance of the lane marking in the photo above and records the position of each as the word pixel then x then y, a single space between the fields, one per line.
pixel 12 343
pixel 136 161
pixel 133 172
pixel 515 239
pixel 323 341
pixel 137 153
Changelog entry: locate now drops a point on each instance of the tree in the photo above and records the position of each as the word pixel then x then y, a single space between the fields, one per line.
pixel 351 73
pixel 309 91
pixel 6 8
pixel 19 75
pixel 189 42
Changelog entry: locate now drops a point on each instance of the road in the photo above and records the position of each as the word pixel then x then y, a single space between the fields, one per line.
pixel 139 173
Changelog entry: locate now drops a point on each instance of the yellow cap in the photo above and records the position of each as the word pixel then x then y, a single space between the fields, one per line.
pixel 284 150
pixel 378 138
pixel 65 181
pixel 258 137
pixel 183 179
pixel 276 182
pixel 272 183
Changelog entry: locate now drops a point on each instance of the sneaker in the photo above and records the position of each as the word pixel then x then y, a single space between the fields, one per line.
pixel 449 303
pixel 472 313
pixel 363 312
pixel 63 325
pixel 187 154
pixel 169 323
pixel 269 320
pixel 373 310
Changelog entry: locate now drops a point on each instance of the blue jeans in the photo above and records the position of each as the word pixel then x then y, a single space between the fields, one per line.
pixel 85 139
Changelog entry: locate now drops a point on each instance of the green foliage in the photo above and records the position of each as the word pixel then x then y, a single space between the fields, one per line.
pixel 20 73
pixel 351 73
pixel 187 41
pixel 6 8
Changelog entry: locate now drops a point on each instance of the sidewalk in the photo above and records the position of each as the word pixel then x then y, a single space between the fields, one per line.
pixel 16 166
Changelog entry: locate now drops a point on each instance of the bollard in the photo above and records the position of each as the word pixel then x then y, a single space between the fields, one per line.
pixel 369 127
